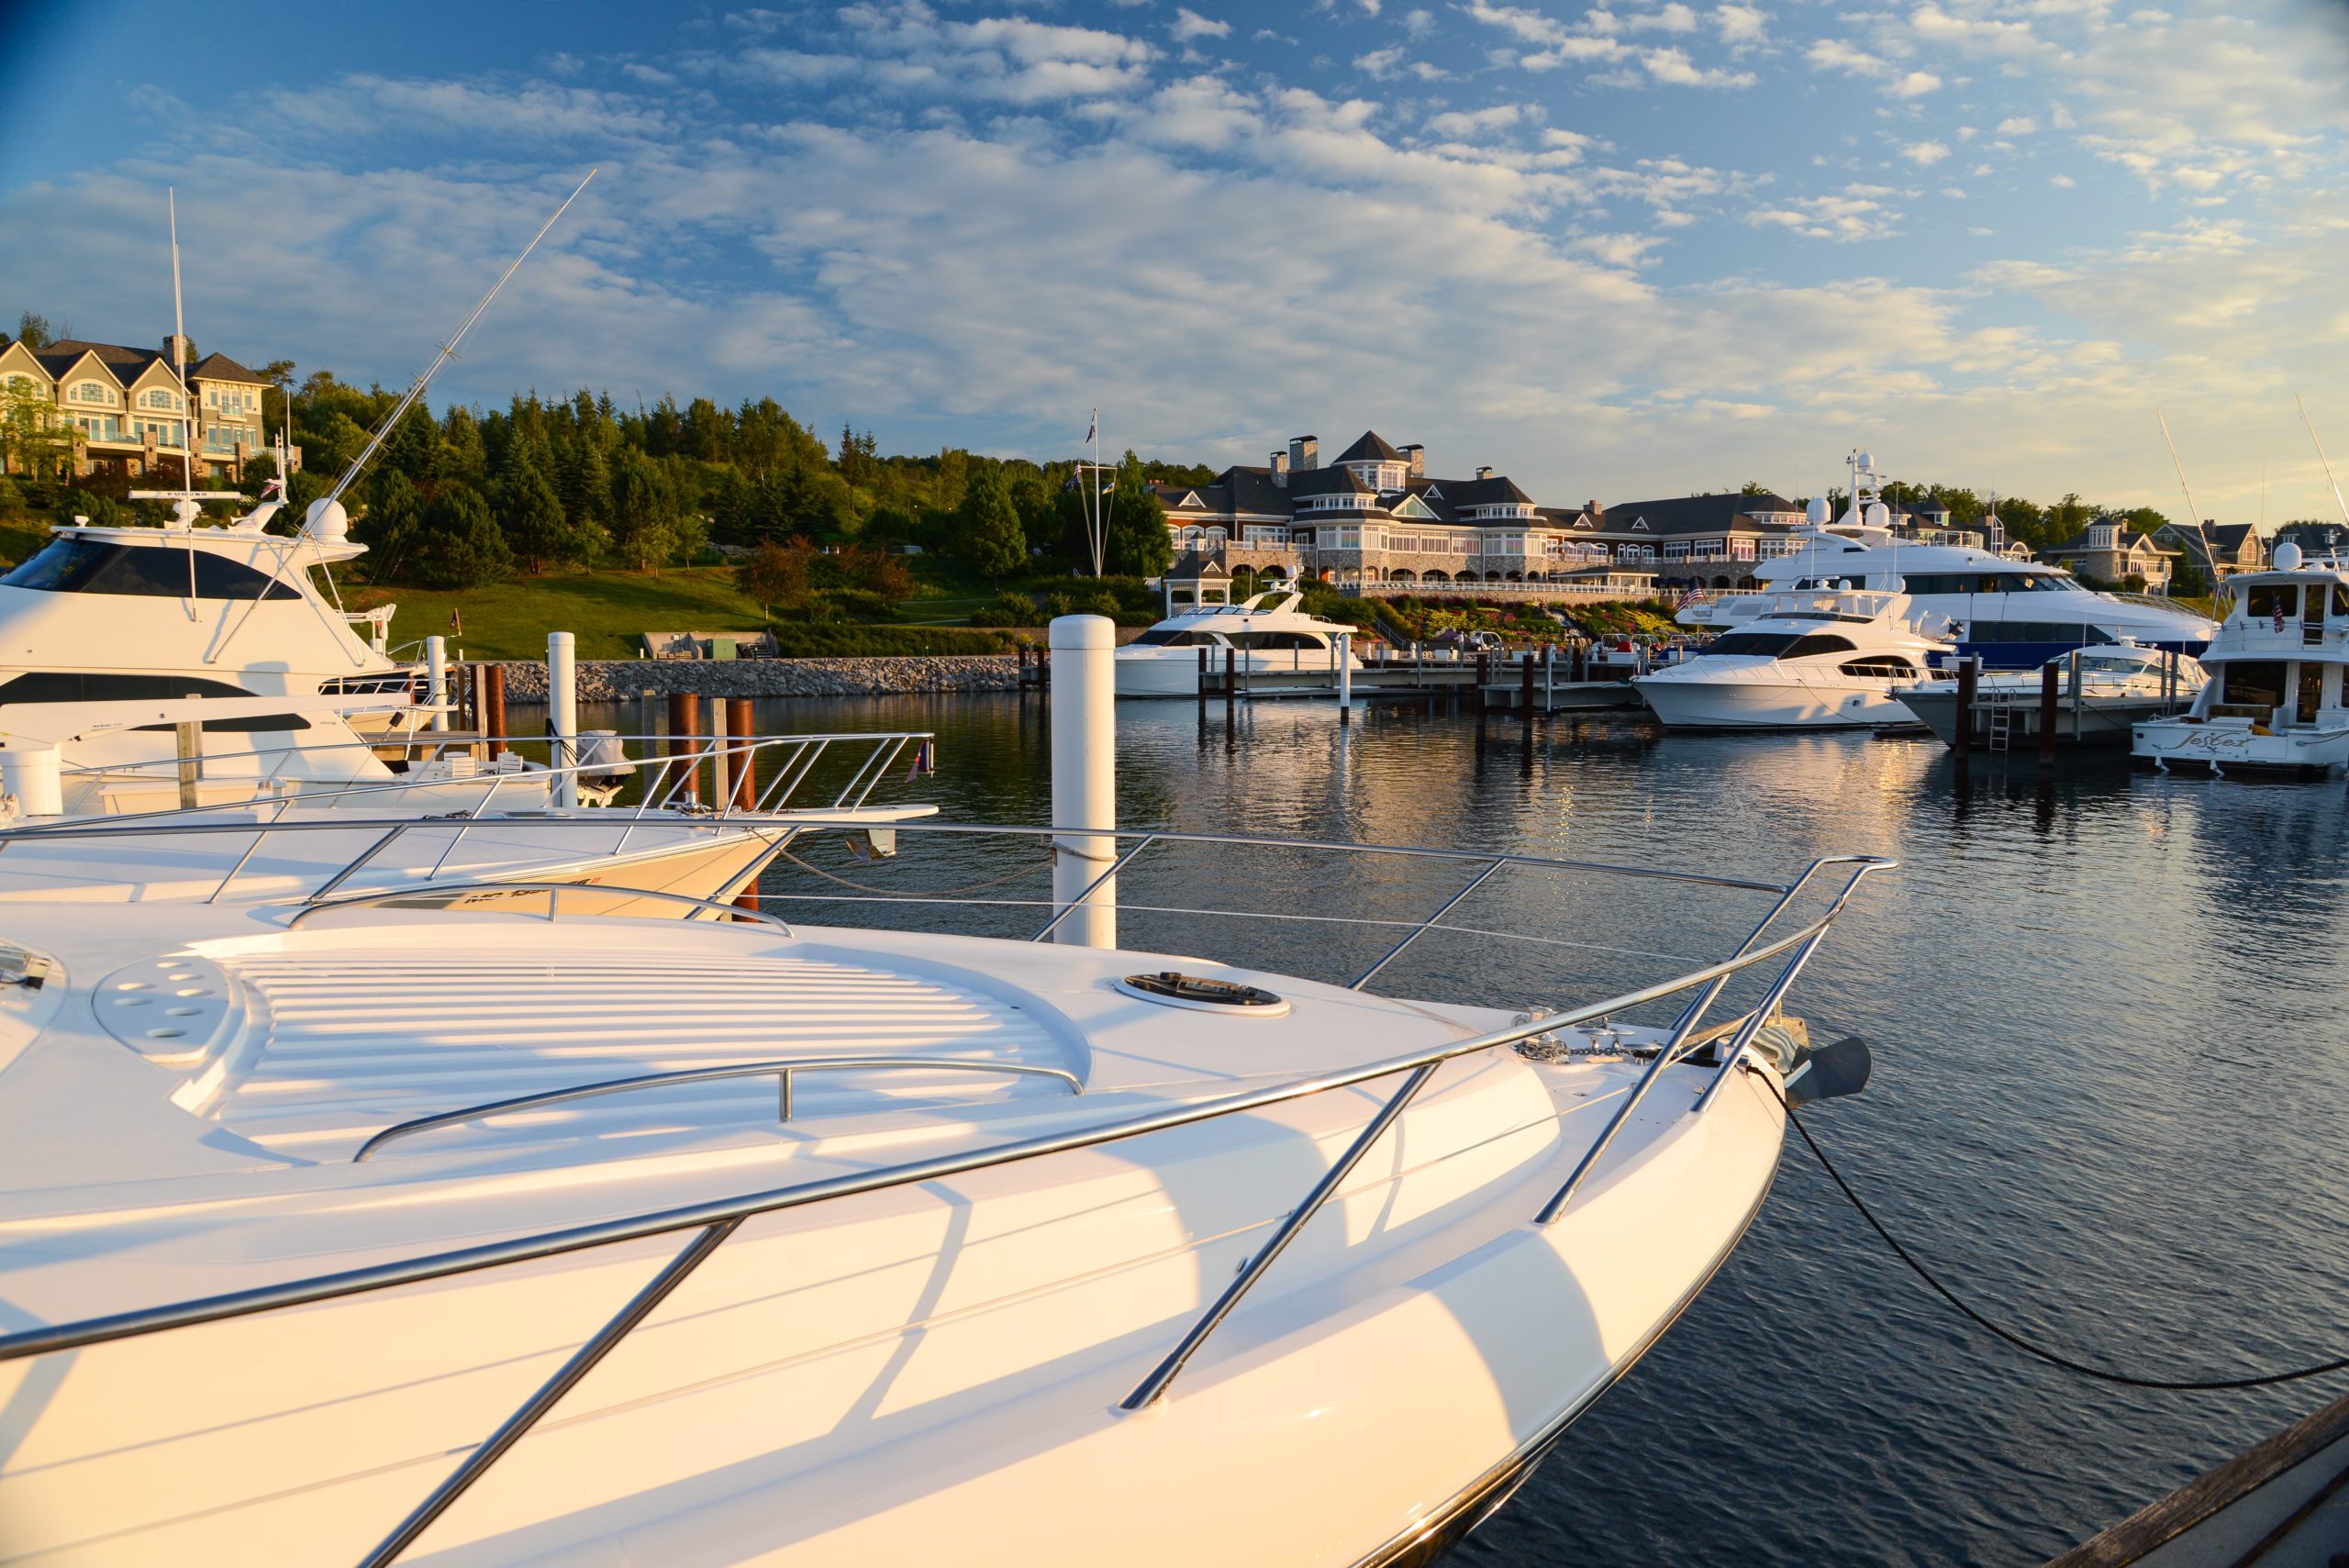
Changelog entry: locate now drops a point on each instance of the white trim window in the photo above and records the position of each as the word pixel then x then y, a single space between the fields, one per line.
pixel 96 392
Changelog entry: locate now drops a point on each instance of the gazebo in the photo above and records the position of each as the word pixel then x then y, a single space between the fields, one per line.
pixel 1198 577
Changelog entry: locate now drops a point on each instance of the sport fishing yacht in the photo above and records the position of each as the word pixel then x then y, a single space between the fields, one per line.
pixel 1804 661
pixel 343 1234
pixel 1267 634
pixel 2101 694
pixel 2011 614
pixel 2275 702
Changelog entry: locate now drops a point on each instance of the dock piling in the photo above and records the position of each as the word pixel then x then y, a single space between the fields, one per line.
pixel 436 679
pixel 2048 678
pixel 562 712
pixel 684 731
pixel 1345 640
pixel 493 708
pixel 1968 671
pixel 1084 779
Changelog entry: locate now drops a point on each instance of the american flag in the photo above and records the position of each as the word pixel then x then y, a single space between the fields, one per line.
pixel 1094 429
pixel 1687 596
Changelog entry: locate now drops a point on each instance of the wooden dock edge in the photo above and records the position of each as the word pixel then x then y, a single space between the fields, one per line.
pixel 2198 1502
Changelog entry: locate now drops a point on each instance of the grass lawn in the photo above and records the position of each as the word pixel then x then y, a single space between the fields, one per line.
pixel 608 610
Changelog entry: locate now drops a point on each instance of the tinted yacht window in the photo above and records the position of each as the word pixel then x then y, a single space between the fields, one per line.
pixel 79 685
pixel 147 571
pixel 1769 643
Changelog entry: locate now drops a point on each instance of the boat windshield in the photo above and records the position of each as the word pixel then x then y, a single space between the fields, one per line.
pixel 1990 583
pixel 147 571
pixel 1167 636
pixel 1780 644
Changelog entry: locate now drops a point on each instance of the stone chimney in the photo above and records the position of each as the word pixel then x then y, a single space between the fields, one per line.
pixel 1485 472
pixel 1280 469
pixel 178 348
pixel 1304 452
pixel 1418 456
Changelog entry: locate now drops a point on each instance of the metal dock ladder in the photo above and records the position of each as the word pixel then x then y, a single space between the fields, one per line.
pixel 2002 725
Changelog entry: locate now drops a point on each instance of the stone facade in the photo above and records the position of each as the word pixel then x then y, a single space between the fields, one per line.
pixel 623 680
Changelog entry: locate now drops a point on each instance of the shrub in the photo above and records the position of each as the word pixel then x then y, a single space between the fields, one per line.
pixel 1008 609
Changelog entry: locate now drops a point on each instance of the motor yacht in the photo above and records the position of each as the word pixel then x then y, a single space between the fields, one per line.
pixel 342 1234
pixel 1805 661
pixel 2011 613
pixel 2101 694
pixel 1266 634
pixel 2275 701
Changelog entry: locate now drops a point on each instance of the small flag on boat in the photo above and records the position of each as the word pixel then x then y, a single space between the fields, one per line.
pixel 456 620
pixel 925 760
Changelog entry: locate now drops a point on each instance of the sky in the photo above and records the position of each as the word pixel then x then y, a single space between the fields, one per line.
pixel 1614 253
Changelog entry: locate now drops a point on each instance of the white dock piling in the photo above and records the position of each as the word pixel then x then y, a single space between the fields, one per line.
pixel 435 677
pixel 1345 640
pixel 562 713
pixel 31 774
pixel 1084 776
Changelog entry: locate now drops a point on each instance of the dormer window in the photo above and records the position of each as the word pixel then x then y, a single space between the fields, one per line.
pixel 159 398
pixel 92 392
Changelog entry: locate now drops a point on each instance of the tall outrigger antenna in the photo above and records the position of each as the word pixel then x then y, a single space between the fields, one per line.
pixel 2193 512
pixel 448 351
pixel 2322 459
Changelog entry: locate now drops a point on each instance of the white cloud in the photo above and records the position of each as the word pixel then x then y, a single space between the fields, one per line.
pixel 2021 124
pixel 1740 24
pixel 1418 24
pixel 1925 154
pixel 2061 181
pixel 1381 64
pixel 1188 25
pixel 1857 213
pixel 1462 125
pixel 1834 55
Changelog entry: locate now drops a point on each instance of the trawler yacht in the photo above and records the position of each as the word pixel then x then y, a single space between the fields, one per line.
pixel 2013 615
pixel 1267 634
pixel 340 1234
pixel 2275 702
pixel 1803 661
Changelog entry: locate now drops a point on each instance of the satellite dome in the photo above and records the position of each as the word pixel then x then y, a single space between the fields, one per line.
pixel 1817 510
pixel 2287 557
pixel 327 522
pixel 1879 514
pixel 1865 460
pixel 185 513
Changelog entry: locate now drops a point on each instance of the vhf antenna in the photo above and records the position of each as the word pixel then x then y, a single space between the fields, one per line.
pixel 447 352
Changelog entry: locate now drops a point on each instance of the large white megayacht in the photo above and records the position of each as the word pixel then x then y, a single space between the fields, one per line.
pixel 2011 613
pixel 1267 634
pixel 1803 661
pixel 2276 700
pixel 345 1234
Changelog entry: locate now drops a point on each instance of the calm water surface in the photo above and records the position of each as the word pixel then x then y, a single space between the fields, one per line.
pixel 2108 1016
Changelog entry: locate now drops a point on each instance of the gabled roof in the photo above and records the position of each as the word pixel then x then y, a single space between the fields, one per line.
pixel 61 362
pixel 1491 492
pixel 1370 448
pixel 220 367
pixel 2128 539
pixel 1693 514
pixel 1195 564
pixel 1332 481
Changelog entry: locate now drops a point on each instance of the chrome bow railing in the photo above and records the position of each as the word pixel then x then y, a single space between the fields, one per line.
pixel 710 1223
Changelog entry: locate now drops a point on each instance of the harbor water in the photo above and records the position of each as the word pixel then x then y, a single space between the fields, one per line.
pixel 2111 1040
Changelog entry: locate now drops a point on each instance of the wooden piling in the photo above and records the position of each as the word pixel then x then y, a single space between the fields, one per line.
pixel 741 725
pixel 684 736
pixel 493 708
pixel 1230 682
pixel 1483 677
pixel 1525 683
pixel 2048 678
pixel 1962 739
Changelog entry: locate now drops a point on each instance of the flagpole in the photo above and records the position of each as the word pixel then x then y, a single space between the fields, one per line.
pixel 179 349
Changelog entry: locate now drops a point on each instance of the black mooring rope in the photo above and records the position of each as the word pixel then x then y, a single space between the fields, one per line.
pixel 2018 1341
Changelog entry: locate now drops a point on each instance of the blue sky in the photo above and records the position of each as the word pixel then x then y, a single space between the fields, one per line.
pixel 1615 252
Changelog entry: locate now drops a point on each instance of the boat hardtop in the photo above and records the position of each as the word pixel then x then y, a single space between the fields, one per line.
pixel 1808 660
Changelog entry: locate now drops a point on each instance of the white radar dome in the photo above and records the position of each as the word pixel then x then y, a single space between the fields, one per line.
pixel 2287 557
pixel 1879 514
pixel 327 522
pixel 1817 510
pixel 1865 460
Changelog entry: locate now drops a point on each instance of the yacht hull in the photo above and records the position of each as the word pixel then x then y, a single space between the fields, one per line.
pixel 2098 721
pixel 1683 703
pixel 2234 747
pixel 936 1372
pixel 1174 671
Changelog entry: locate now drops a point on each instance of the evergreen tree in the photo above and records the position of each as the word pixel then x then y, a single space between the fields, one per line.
pixel 1137 544
pixel 988 534
pixel 459 544
pixel 641 510
pixel 388 525
pixel 531 514
pixel 413 446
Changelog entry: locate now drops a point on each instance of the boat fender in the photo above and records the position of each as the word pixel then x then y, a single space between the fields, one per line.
pixel 1829 1072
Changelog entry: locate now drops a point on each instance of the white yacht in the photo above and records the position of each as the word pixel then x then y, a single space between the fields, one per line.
pixel 2013 614
pixel 1803 661
pixel 2276 702
pixel 1267 634
pixel 336 1234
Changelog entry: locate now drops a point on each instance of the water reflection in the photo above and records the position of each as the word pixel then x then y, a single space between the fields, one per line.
pixel 2109 1011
